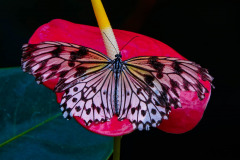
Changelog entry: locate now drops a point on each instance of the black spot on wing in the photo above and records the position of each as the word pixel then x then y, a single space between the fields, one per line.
pixel 94 89
pixel 55 67
pixel 186 85
pixel 149 100
pixel 64 105
pixel 174 83
pixel 143 113
pixel 55 53
pixel 175 102
pixel 74 99
pixel 88 111
pixel 77 108
pixel 67 91
pixel 153 111
pixel 83 98
pixel 149 80
pixel 79 54
pixel 80 71
pixel 63 73
pixel 159 74
pixel 139 91
pixel 176 67
pixel 83 51
pixel 162 99
pixel 71 64
pixel 98 110
pixel 133 110
pixel 75 89
pixel 153 61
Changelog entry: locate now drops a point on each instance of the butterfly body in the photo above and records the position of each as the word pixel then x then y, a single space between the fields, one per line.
pixel 117 69
pixel 140 89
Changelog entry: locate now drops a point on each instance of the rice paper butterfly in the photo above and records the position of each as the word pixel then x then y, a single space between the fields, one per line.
pixel 141 89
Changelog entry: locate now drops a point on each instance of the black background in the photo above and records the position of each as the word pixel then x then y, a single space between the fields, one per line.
pixel 203 31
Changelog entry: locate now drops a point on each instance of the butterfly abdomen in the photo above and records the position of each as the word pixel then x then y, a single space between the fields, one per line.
pixel 117 69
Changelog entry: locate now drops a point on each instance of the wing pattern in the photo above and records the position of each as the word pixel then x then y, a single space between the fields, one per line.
pixel 91 99
pixel 150 85
pixel 68 62
pixel 139 104
pixel 85 75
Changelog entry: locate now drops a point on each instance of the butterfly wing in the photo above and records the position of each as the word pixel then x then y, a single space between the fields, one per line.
pixel 147 86
pixel 92 98
pixel 68 62
pixel 84 74
pixel 152 84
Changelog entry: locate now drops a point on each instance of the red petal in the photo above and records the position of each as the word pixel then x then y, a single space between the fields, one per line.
pixel 180 120
pixel 186 118
pixel 112 128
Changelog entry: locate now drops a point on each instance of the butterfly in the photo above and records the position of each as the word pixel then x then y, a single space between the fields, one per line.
pixel 141 89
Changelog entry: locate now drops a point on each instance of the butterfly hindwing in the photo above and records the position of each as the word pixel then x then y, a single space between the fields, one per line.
pixel 91 99
pixel 138 103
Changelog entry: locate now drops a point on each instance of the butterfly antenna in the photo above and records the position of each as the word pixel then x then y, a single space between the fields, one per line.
pixel 128 42
pixel 111 43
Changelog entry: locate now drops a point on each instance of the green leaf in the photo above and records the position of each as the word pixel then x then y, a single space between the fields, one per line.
pixel 31 125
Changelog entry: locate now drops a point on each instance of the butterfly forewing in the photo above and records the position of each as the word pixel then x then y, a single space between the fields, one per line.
pixel 68 62
pixel 170 74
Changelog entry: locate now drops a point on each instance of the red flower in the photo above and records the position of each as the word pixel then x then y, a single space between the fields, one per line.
pixel 180 120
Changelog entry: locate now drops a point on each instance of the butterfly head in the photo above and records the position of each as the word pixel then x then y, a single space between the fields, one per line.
pixel 118 55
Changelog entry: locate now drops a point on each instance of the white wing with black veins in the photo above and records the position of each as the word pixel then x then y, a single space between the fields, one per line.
pixel 151 85
pixel 85 75
pixel 147 86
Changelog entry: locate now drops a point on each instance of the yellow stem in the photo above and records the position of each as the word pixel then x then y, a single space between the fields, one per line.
pixel 106 29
